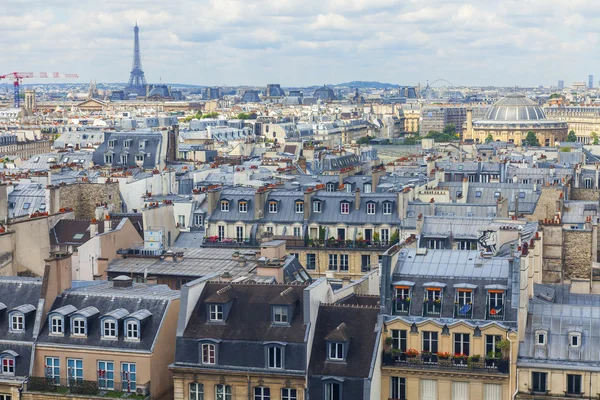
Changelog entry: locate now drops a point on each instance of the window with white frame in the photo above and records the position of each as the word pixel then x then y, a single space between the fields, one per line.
pixel 198 219
pixel 8 365
pixel 541 337
pixel 223 392
pixel 371 208
pixel 139 157
pixel 299 207
pixel 221 232
pixel 462 343
pixel 574 339
pixel 333 262
pixel 387 208
pixel 275 357
pixel 385 235
pixel 108 158
pixel 262 393
pixel 398 388
pixel 280 315
pixel 17 322
pixel 133 330
pixel 289 394
pixel 331 187
pixel 196 391
pixel 273 207
pixel 343 262
pixel 336 351
pixel 345 208
pixel 52 368
pixel 56 325
pixel 243 206
pixel 224 206
pixel 79 327
pixel 109 328
pixel 333 391
pixel 208 353
pixel 317 206
pixel 216 312
pixel 587 183
pixel 124 158
pixel 297 231
pixel 399 339
pixel 367 188
pixel 112 143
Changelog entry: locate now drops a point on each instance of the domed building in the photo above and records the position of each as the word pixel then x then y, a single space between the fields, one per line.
pixel 509 120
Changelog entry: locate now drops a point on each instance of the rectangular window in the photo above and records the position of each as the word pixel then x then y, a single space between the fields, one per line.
pixel 371 208
pixel 139 157
pixel 345 208
pixel 311 261
pixel 223 392
pixel 108 158
pixel 216 312
pixel 124 158
pixel 588 183
pixel 133 330
pixel 53 369
pixel 106 375
pixel 538 382
pixel 297 231
pixel 365 262
pixel 399 339
pixel 221 232
pixel 57 325
pixel 573 384
pixel 270 229
pixel 243 207
pixel 460 390
pixel 273 207
pixel 239 233
pixel 343 262
pixel 275 357
pixel 429 389
pixel 208 353
pixel 491 341
pixel 336 351
pixel 333 262
pixel 385 235
pixel 299 207
pixel 462 343
pixel 430 342
pixel 317 206
pixel 225 206
pixel 198 220
pixel 387 208
pixel 112 143
pixel 262 393
pixel 331 187
pixel 109 329
pixel 478 193
pixel 280 315
pixel 8 365
pixel 333 391
pixel 492 391
pixel 181 221
pixel 464 297
pixel 398 388
pixel 75 369
pixel 367 188
pixel 129 377
pixel 289 394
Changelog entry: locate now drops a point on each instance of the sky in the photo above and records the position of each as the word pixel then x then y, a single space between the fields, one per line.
pixel 306 42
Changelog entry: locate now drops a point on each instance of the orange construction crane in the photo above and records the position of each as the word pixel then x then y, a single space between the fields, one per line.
pixel 17 77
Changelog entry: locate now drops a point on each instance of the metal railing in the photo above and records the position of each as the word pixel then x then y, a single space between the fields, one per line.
pixel 432 308
pixel 432 361
pixel 461 312
pixel 215 241
pixel 401 306
pixel 100 388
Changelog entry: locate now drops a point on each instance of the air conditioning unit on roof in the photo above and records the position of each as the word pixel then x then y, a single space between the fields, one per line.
pixel 142 390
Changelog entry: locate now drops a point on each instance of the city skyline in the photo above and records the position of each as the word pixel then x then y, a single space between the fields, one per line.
pixel 233 42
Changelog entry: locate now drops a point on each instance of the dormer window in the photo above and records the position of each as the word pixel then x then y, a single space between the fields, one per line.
pixel 478 193
pixel 275 357
pixel 273 207
pixel 541 337
pixel 371 208
pixel 127 143
pixel 109 329
pixel 495 309
pixel 133 330
pixel 142 144
pixel 224 206
pixel 336 351
pixel 243 206
pixel 575 339
pixel 463 303
pixel 433 301
pixel 108 158
pixel 209 353
pixel 345 207
pixel 299 207
pixel 216 312
pixel 57 325
pixel 79 327
pixel 17 322
pixel 317 206
pixel 112 143
pixel 387 208
pixel 8 365
pixel 280 315
pixel 331 187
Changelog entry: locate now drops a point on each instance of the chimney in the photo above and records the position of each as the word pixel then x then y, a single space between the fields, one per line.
pixel 517 206
pixel 403 203
pixel 469 131
pixel 302 163
pixel 357 199
pixel 308 194
pixel 93 228
pixel 122 282
pixel 107 223
pixel 213 199
pixel 53 204
pixel 58 277
pixel 376 175
pixel 597 176
pixel 260 198
pixel 502 208
pixel 465 189
pixel 101 274
pixel 3 203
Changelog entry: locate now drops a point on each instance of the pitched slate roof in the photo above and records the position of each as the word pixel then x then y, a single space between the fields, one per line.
pixel 250 315
pixel 359 324
pixel 16 292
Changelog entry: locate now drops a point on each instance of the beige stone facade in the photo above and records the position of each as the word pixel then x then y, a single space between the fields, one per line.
pixel 83 197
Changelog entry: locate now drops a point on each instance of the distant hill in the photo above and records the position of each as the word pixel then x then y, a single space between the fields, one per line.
pixel 366 84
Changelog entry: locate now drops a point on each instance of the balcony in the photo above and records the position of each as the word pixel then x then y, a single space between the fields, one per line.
pixel 433 361
pixel 345 244
pixel 463 311
pixel 401 306
pixel 215 241
pixel 495 314
pixel 432 308
pixel 88 389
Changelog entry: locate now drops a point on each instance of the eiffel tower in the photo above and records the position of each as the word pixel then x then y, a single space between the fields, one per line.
pixel 137 80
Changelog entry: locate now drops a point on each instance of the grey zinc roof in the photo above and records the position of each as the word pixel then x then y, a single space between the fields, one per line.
pixel 485 193
pixel 15 292
pixel 455 263
pixel 26 199
pixel 455 227
pixel 140 315
pixel 119 313
pixel 24 308
pixel 575 212
pixel 66 310
pixel 87 312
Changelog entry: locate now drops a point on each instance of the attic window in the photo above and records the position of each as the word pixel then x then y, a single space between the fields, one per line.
pixel 345 207
pixel 521 195
pixel 460 167
pixel 541 338
pixel 26 206
pixel 575 339
pixel 109 329
pixel 78 236
pixel 299 207
pixel 243 206
pixel 8 365
pixel 496 194
pixel 478 193
pixel 224 206
pixel 387 208
pixel 280 315
pixel 216 312
pixel 273 207
pixel 17 322
pixel 336 351
pixel 317 206
pixel 79 327
pixel 133 330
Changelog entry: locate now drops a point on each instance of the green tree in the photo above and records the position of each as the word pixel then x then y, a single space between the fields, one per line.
pixel 571 137
pixel 489 138
pixel 450 129
pixel 531 139
pixel 555 96
pixel 364 140
pixel 213 114
pixel 565 149
pixel 594 137
pixel 243 116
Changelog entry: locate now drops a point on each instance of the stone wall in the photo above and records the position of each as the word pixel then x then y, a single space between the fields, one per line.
pixel 577 249
pixel 546 206
pixel 84 196
pixel 585 194
pixel 552 252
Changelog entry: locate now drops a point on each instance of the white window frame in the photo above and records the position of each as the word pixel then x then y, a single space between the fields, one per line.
pixel 79 327
pixel 196 391
pixel 224 206
pixel 216 312
pixel 17 322
pixel 387 208
pixel 132 330
pixel 385 235
pixel 289 394
pixel 272 207
pixel 52 369
pixel 544 337
pixel 335 351
pixel 317 206
pixel 299 207
pixel 281 315
pixel 261 393
pixel 107 328
pixel 275 357
pixel 574 336
pixel 297 231
pixel 345 208
pixel 108 159
pixel 344 262
pixel 370 208
pixel 243 206
pixel 209 354
pixel 57 325
pixel 8 368
pixel 222 392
